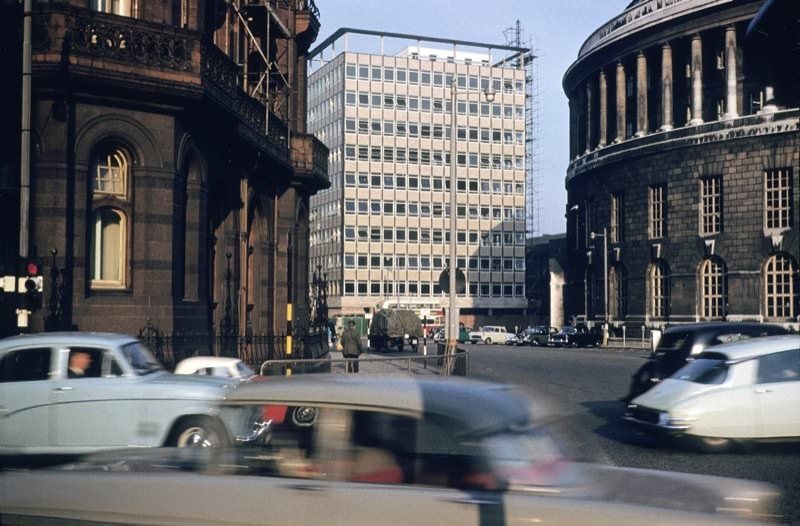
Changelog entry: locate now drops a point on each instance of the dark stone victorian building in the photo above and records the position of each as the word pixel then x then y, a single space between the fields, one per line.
pixel 170 165
pixel 683 193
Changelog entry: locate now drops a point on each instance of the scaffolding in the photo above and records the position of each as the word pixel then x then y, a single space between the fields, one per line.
pixel 528 61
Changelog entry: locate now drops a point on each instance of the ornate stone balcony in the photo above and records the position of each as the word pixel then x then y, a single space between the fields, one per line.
pixel 160 63
pixel 310 161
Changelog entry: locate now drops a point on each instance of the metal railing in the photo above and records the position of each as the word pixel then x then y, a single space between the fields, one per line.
pixel 169 349
pixel 436 365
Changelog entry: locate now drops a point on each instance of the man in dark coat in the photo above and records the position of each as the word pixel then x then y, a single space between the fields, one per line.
pixel 351 346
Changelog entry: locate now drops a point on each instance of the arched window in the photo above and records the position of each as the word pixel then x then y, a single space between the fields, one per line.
pixel 658 287
pixel 713 293
pixel 107 251
pixel 115 7
pixel 110 175
pixel 780 281
pixel 617 292
pixel 109 180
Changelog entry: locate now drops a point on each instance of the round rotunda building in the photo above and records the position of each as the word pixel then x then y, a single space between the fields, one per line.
pixel 683 198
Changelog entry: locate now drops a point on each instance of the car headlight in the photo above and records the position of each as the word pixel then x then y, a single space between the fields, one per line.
pixel 667 420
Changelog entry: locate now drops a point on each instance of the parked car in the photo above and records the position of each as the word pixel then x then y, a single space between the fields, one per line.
pixel 489 334
pixel 742 391
pixel 577 336
pixel 215 366
pixel 463 335
pixel 539 335
pixel 382 450
pixel 126 398
pixel 680 342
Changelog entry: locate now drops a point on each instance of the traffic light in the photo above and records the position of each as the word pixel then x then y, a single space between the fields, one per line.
pixel 33 284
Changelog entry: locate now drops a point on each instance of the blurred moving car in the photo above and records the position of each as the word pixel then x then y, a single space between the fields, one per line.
pixel 490 334
pixel 577 336
pixel 379 450
pixel 539 335
pixel 126 398
pixel 747 390
pixel 680 342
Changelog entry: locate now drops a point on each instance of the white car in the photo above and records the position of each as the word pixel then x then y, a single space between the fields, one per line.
pixel 123 397
pixel 490 334
pixel 215 366
pixel 742 391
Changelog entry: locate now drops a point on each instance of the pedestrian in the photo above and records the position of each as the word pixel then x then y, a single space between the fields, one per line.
pixel 351 346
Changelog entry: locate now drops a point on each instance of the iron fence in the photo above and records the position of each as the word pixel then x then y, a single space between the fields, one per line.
pixel 169 349
pixel 437 365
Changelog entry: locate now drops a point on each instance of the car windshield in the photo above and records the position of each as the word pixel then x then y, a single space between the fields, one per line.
pixel 140 358
pixel 708 369
pixel 244 370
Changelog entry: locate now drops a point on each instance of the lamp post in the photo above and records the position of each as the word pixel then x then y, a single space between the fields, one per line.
pixel 604 235
pixel 452 317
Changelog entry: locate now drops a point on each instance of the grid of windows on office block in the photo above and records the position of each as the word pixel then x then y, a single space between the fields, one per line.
pixel 383 228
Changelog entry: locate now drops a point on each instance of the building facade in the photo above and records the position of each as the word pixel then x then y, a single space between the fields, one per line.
pixel 170 170
pixel 683 192
pixel 382 231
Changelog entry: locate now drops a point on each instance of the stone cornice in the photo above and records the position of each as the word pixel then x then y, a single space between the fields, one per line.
pixel 787 121
pixel 642 16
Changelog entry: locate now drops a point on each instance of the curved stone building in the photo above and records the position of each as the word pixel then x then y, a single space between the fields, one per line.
pixel 683 193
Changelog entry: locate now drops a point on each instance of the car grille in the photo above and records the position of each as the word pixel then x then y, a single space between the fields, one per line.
pixel 645 414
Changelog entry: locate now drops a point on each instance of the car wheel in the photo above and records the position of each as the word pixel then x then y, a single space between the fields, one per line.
pixel 198 432
pixel 487 341
pixel 713 444
pixel 304 416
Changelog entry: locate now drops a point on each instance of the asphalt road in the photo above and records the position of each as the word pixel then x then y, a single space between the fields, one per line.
pixel 576 394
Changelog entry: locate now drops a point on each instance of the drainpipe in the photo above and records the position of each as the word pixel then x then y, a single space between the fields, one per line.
pixel 25 154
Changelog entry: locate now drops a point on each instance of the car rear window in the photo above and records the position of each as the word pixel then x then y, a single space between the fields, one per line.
pixel 673 341
pixel 709 369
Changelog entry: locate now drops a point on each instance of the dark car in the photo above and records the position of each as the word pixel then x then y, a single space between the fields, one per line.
pixel 539 335
pixel 680 342
pixel 577 336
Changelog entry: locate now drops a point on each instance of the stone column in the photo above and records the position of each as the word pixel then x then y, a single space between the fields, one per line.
pixel 641 95
pixel 697 80
pixel 589 145
pixel 620 102
pixel 731 109
pixel 603 124
pixel 666 87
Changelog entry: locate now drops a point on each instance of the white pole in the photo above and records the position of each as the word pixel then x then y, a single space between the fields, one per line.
pixel 452 330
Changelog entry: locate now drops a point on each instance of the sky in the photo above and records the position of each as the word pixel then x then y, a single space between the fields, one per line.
pixel 555 28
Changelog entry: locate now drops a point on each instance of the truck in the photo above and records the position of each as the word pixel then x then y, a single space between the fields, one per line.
pixel 393 329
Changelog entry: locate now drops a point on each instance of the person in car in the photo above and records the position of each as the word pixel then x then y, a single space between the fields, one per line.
pixel 79 361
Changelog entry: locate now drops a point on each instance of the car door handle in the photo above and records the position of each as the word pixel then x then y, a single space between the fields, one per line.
pixel 469 500
pixel 763 390
pixel 305 487
pixel 63 388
